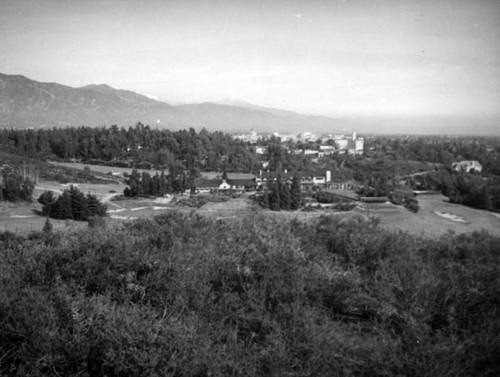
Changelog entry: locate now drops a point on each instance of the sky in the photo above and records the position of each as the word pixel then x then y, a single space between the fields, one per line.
pixel 335 57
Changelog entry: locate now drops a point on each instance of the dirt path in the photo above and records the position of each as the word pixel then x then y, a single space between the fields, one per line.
pixel 107 200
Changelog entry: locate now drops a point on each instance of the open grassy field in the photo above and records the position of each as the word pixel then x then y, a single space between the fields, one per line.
pixel 116 170
pixel 24 217
pixel 102 168
pixel 436 217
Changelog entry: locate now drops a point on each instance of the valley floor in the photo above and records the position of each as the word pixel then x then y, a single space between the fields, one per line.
pixel 435 218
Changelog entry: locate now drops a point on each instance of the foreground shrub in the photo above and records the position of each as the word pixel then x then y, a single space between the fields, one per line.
pixel 185 295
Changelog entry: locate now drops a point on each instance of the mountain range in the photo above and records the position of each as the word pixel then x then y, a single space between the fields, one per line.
pixel 29 103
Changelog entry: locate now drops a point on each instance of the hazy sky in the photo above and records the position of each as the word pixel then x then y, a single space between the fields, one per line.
pixel 366 57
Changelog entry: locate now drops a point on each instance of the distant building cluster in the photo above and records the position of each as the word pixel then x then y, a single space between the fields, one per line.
pixel 323 144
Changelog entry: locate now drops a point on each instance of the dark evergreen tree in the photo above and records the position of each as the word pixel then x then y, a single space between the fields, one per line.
pixel 79 206
pixel 95 207
pixel 295 194
pixel 12 186
pixel 47 200
pixel 165 184
pixel 146 183
pixel 284 196
pixel 27 188
pixel 135 185
pixel 155 185
pixel 47 227
pixel 274 196
pixel 62 208
pixel 265 199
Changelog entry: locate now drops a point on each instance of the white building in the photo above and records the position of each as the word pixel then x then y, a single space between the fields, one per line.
pixel 467 166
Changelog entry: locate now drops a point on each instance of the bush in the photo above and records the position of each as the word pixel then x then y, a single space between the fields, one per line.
pixel 186 295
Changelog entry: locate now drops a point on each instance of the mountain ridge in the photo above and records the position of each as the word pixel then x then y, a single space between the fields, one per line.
pixel 28 103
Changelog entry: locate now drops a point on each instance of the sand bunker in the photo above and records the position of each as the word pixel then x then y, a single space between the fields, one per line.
pixel 116 210
pixel 450 216
pixel 21 216
pixel 164 200
pixel 138 208
pixel 118 217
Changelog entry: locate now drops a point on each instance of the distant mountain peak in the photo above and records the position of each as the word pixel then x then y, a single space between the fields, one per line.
pixel 97 86
pixel 235 102
pixel 14 77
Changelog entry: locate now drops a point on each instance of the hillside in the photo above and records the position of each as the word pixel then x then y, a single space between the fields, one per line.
pixel 28 103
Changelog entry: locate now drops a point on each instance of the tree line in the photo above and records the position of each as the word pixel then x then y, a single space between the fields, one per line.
pixel 139 146
pixel 436 149
pixel 281 195
pixel 157 185
pixel 473 190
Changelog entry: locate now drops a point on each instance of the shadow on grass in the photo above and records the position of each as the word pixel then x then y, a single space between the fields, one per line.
pixel 39 212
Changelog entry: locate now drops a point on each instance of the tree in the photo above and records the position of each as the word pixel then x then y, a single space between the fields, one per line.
pixel 265 199
pixel 47 227
pixel 95 207
pixel 295 194
pixel 134 182
pixel 285 196
pixel 62 207
pixel 27 188
pixel 146 183
pixel 274 196
pixel 165 184
pixel 47 200
pixel 412 205
pixel 72 204
pixel 79 207
pixel 15 187
pixel 155 185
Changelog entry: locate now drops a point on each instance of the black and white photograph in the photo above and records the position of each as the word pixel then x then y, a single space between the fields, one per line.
pixel 290 188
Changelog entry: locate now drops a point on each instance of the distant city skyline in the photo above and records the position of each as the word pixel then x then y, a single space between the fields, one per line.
pixel 336 58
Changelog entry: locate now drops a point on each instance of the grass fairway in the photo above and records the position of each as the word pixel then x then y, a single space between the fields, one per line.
pixel 435 218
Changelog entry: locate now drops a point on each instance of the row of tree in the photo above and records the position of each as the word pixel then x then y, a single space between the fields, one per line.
pixel 139 145
pixel 281 195
pixel 71 204
pixel 157 185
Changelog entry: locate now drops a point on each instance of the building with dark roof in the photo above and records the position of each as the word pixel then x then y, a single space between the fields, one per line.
pixel 310 180
pixel 215 185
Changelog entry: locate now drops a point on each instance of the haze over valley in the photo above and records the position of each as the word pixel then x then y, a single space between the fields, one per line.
pixel 27 103
pixel 412 67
